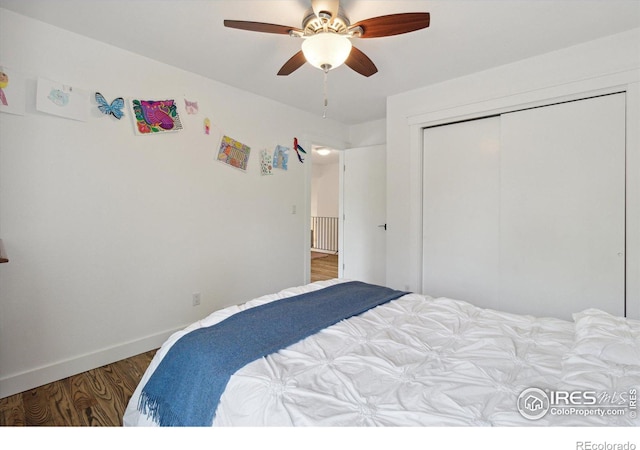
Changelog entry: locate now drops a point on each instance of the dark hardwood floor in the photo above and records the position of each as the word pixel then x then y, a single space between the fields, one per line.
pixel 99 396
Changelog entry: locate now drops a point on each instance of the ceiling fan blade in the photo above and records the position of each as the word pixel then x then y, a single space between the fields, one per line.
pixel 392 24
pixel 330 6
pixel 361 63
pixel 294 63
pixel 259 26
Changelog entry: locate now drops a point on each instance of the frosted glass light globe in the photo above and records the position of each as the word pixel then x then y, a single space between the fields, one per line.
pixel 326 50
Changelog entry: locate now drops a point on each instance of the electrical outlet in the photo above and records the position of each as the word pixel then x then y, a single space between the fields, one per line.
pixel 196 298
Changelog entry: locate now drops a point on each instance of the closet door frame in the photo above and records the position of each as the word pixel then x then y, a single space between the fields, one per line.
pixel 623 82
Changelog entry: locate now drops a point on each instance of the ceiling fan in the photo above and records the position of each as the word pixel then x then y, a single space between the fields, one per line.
pixel 327 33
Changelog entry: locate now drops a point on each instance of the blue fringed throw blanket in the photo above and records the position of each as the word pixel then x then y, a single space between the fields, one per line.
pixel 186 387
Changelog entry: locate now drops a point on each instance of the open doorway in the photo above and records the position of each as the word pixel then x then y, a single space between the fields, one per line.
pixel 325 207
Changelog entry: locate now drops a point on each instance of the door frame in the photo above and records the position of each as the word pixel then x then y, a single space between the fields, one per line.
pixel 308 142
pixel 341 174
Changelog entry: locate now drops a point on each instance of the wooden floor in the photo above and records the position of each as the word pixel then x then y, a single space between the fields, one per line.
pixel 324 268
pixel 99 396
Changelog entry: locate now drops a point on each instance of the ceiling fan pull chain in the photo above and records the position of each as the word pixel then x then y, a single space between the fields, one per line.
pixel 326 101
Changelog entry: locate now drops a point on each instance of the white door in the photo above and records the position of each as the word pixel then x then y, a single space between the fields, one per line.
pixel 526 212
pixel 461 211
pixel 562 222
pixel 363 255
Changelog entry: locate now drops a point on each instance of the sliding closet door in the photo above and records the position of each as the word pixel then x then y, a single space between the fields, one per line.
pixel 562 207
pixel 526 212
pixel 461 182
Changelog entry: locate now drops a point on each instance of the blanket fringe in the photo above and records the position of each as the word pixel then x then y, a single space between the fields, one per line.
pixel 158 411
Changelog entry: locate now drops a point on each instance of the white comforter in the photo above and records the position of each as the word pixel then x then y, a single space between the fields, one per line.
pixel 428 361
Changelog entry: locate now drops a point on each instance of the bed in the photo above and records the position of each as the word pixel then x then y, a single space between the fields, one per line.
pixel 418 361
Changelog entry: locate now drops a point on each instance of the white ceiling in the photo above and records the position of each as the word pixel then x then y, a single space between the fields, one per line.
pixel 464 37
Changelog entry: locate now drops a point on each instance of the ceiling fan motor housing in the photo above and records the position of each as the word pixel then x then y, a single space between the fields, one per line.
pixel 313 23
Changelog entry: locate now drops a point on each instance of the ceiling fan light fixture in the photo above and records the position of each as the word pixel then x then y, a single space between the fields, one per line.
pixel 326 50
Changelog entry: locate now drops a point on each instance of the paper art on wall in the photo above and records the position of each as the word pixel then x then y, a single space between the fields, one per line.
pixel 298 149
pixel 280 157
pixel 4 82
pixel 266 165
pixel 114 108
pixel 12 92
pixel 191 107
pixel 233 153
pixel 207 126
pixel 58 97
pixel 62 100
pixel 155 116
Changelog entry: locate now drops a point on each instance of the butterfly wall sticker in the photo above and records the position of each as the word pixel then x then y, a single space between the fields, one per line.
pixel 115 108
pixel 191 107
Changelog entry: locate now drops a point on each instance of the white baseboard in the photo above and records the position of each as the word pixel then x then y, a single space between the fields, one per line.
pixel 31 379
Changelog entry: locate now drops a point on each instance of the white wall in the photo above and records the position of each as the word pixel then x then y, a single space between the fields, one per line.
pixel 109 234
pixel 325 190
pixel 368 133
pixel 605 65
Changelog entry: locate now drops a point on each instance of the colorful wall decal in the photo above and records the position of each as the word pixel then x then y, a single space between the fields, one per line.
pixel 114 108
pixel 266 165
pixel 233 153
pixel 12 91
pixel 190 107
pixel 207 125
pixel 155 116
pixel 62 100
pixel 4 82
pixel 280 157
